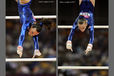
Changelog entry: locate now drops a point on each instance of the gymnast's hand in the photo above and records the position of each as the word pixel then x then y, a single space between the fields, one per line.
pixel 88 49
pixel 69 45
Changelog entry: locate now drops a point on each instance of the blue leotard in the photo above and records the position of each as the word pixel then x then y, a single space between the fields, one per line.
pixel 85 7
pixel 26 18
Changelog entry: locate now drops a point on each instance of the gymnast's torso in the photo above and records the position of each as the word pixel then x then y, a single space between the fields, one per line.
pixel 87 9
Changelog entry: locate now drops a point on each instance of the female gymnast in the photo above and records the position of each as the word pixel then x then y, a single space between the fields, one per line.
pixel 84 21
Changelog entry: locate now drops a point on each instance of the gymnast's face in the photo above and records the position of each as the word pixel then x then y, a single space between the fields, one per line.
pixel 33 31
pixel 83 26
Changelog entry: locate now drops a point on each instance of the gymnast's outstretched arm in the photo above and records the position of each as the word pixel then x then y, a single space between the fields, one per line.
pixel 73 30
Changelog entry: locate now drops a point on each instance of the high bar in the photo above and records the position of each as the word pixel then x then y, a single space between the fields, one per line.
pixel 83 67
pixel 29 59
pixel 70 26
pixel 37 17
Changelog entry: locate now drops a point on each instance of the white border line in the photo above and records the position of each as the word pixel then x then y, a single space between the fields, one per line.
pixel 29 59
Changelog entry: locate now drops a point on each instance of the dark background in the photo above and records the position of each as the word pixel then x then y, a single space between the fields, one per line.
pixel 69 10
pixel 39 7
pixel 30 69
pixel 73 72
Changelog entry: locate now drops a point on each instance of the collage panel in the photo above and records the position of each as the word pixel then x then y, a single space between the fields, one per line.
pixel 31 38
pixel 83 37
pixel 83 33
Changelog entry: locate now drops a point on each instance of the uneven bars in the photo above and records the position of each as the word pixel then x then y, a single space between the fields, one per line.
pixel 83 67
pixel 29 59
pixel 37 17
pixel 68 27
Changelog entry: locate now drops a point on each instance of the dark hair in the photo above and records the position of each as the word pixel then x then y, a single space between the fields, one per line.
pixel 81 20
pixel 41 23
pixel 38 26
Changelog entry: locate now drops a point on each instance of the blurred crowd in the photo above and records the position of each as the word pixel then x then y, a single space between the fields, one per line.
pixel 30 69
pixel 83 73
pixel 47 40
pixel 98 56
